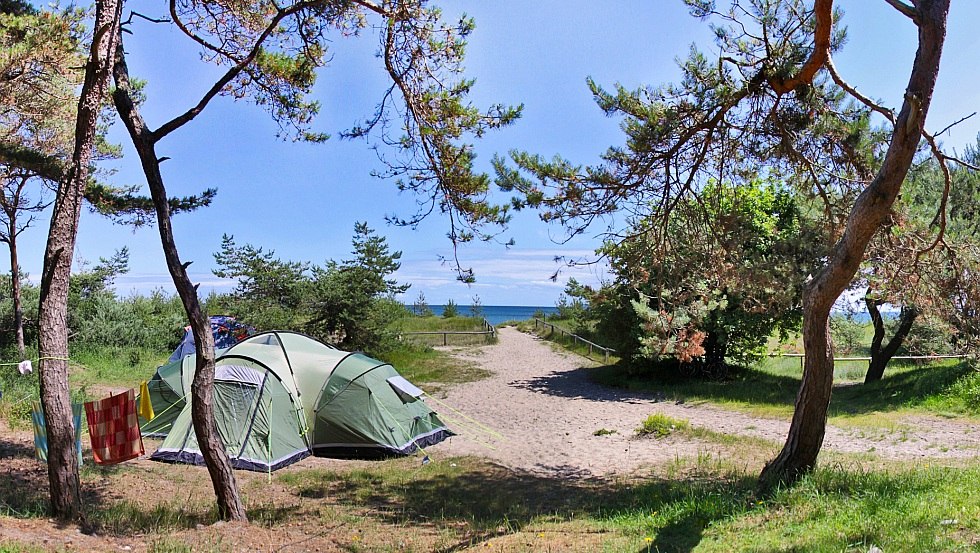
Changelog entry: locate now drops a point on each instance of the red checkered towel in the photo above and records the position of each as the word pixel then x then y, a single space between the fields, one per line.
pixel 114 428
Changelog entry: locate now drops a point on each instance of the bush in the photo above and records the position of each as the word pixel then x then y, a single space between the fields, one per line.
pixel 847 334
pixel 450 310
pixel 929 336
pixel 967 391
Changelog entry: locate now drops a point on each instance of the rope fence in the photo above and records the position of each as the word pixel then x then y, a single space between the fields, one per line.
pixel 488 331
pixel 592 346
pixel 801 356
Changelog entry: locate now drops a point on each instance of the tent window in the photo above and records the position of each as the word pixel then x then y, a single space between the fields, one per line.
pixel 407 391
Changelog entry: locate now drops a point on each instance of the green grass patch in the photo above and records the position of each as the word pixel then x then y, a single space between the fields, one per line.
pixel 422 324
pixel 836 509
pixel 699 506
pixel 424 365
pixel 445 329
pixel 19 547
pixel 127 517
pixel 558 334
pixel 660 426
pixel 117 367
pixel 944 387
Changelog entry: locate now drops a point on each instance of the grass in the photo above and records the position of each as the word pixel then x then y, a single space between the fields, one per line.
pixel 947 387
pixel 698 505
pixel 701 504
pixel 423 365
pixel 117 367
pixel 407 325
pixel 838 509
pixel 661 426
pixel 559 334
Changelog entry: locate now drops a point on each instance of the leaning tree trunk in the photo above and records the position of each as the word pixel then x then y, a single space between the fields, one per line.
pixel 15 286
pixel 880 356
pixel 230 506
pixel 58 253
pixel 799 454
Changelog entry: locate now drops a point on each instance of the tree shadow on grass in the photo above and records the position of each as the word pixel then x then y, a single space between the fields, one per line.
pixel 900 387
pixel 24 493
pixel 489 500
pixel 743 385
pixel 23 481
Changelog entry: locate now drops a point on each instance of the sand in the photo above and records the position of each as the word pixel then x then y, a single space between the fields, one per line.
pixel 544 413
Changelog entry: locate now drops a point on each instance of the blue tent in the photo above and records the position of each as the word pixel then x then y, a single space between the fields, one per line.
pixel 227 332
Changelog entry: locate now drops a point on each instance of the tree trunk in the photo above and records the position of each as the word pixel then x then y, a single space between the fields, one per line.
pixel 15 284
pixel 18 304
pixel 714 366
pixel 880 356
pixel 53 308
pixel 216 459
pixel 799 454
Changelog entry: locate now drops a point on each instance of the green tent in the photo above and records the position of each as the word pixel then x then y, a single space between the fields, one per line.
pixel 169 389
pixel 281 396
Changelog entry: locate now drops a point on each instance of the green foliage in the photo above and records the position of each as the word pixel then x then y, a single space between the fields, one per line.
pixel 963 394
pixel 848 334
pixel 29 301
pixel 348 311
pixel 476 307
pixel 420 307
pixel 352 303
pixel 450 310
pixel 944 282
pixel 722 275
pixel 573 305
pixel 930 335
pixel 852 509
pixel 659 425
pixel 348 303
pixel 269 292
pixel 424 57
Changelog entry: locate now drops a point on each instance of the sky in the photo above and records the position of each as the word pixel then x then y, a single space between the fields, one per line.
pixel 302 200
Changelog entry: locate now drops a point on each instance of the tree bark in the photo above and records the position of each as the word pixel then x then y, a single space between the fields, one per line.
pixel 15 291
pixel 10 237
pixel 799 454
pixel 230 506
pixel 53 307
pixel 880 356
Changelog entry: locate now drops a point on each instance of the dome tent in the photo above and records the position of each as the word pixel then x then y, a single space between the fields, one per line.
pixel 172 381
pixel 281 396
pixel 170 385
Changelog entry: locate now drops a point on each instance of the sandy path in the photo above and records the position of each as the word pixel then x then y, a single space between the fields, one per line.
pixel 542 403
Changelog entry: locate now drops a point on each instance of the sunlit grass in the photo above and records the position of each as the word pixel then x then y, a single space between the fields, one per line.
pixel 446 327
pixel 946 387
pixel 424 365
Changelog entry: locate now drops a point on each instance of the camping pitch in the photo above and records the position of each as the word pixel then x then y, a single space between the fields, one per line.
pixel 281 396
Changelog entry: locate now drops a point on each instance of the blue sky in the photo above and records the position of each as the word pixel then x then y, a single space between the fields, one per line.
pixel 302 200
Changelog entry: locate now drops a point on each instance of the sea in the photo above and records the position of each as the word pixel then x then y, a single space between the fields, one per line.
pixel 496 314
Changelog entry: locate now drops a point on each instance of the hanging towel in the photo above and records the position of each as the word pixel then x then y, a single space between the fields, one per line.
pixel 114 428
pixel 146 406
pixel 41 431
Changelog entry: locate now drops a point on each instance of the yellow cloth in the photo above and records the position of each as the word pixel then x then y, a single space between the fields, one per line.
pixel 146 407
